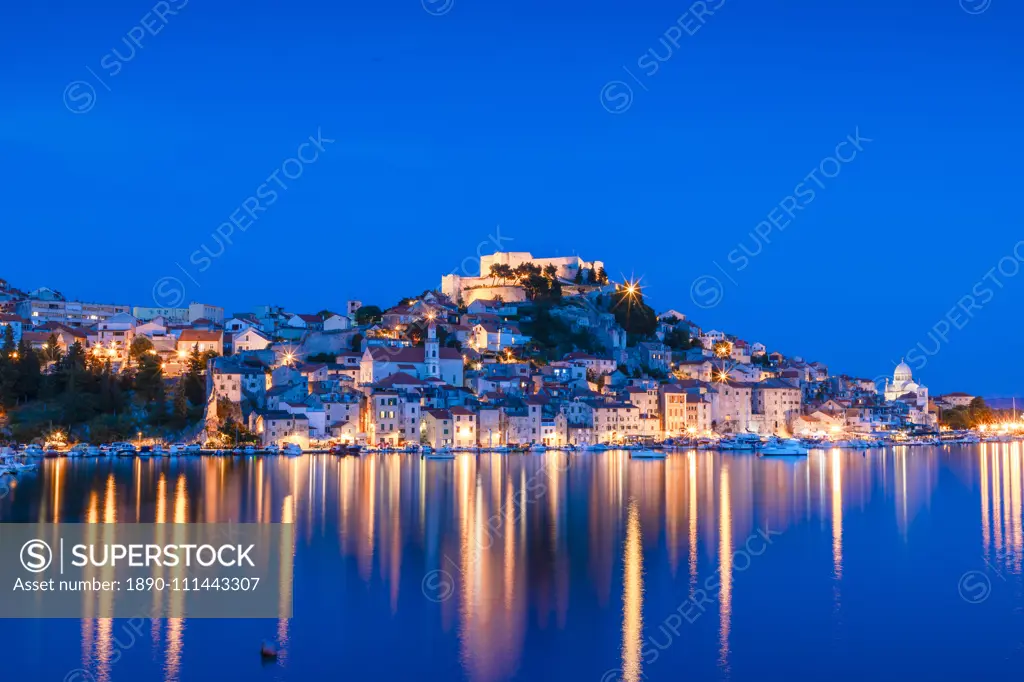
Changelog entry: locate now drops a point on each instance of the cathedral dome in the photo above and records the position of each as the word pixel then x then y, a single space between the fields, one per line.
pixel 902 373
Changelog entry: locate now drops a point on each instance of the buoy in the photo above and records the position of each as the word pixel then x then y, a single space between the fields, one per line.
pixel 268 650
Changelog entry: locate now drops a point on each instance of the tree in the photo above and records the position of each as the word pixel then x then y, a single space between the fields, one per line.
pixel 601 277
pixel 356 344
pixel 368 314
pixel 8 369
pixel 979 412
pixel 141 345
pixel 9 345
pixel 180 406
pixel 149 379
pixel 636 317
pixel 29 373
pixel 322 357
pixel 579 276
pixel 195 382
pixel 678 338
pixel 51 349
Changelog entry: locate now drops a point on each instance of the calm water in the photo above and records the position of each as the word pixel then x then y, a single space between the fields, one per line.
pixel 889 565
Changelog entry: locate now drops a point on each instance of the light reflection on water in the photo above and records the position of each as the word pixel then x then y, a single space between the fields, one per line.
pixel 561 557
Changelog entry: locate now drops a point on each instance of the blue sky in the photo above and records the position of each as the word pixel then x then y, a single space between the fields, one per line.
pixel 449 125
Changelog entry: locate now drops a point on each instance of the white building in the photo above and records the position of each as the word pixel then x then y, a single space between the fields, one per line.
pixel 466 289
pixel 779 404
pixel 249 340
pixel 46 305
pixel 202 311
pixel 429 361
pixel 170 315
pixel 905 390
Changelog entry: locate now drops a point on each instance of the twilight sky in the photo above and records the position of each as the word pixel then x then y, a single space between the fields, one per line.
pixel 555 121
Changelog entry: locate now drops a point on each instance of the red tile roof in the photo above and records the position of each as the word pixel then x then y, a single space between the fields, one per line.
pixel 196 335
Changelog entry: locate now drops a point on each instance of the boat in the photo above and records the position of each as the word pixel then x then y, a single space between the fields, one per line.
pixel 291 450
pixel 158 451
pixel 743 441
pixel 538 447
pixel 249 450
pixel 125 450
pixel 440 453
pixel 647 454
pixel 268 651
pixel 9 464
pixel 33 451
pixel 144 451
pixel 783 447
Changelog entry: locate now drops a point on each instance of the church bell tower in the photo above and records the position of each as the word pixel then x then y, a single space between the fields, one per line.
pixel 431 351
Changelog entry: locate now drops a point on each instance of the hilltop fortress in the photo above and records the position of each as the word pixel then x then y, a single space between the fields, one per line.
pixel 466 289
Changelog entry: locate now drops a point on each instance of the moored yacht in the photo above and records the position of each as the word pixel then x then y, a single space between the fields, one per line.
pixel 782 447
pixel 742 441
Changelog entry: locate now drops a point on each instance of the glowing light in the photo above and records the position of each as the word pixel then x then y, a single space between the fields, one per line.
pixel 181 354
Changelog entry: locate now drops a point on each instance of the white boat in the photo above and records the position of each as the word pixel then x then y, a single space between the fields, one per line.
pixel 442 453
pixel 538 447
pixel 11 465
pixel 781 448
pixel 745 444
pixel 249 450
pixel 158 451
pixel 647 454
pixel 126 450
pixel 33 451
pixel 291 450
